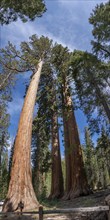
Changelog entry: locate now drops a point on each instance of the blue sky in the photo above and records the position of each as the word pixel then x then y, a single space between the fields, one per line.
pixel 66 22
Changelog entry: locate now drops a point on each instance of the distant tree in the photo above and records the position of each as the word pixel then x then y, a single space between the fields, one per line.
pixel 31 58
pixel 5 98
pixel 3 166
pixel 25 10
pixel 100 19
pixel 40 154
pixel 41 134
pixel 4 175
pixel 90 160
pixel 103 158
pixel 47 105
pixel 57 185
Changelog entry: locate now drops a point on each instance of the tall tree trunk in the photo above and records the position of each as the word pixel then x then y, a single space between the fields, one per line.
pixel 20 186
pixel 78 184
pixel 57 188
pixel 67 149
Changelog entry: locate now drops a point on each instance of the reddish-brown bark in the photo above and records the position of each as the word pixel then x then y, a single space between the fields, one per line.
pixel 57 188
pixel 20 186
pixel 76 181
pixel 67 147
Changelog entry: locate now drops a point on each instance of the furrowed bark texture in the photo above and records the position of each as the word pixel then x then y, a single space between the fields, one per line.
pixel 76 184
pixel 20 186
pixel 67 149
pixel 57 187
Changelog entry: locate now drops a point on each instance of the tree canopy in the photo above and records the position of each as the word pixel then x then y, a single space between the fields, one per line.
pixel 25 10
pixel 91 77
pixel 100 19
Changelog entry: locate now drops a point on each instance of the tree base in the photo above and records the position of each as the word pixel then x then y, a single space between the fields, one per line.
pixel 76 193
pixel 11 205
pixel 65 197
pixel 55 196
pixel 79 192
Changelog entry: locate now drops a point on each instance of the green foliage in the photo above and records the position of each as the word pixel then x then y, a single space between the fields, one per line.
pixel 5 97
pixel 100 19
pixel 42 132
pixel 25 10
pixel 40 153
pixel 90 77
pixel 90 160
pixel 97 160
pixel 25 59
pixel 103 159
pixel 3 173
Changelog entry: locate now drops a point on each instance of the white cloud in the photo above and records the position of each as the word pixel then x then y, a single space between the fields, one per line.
pixel 18 32
pixel 10 142
pixel 68 25
pixel 66 22
pixel 15 106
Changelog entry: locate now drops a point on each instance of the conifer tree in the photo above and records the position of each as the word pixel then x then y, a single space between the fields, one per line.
pixel 25 10
pixel 41 133
pixel 40 153
pixel 103 155
pixel 3 167
pixel 100 19
pixel 90 160
pixel 76 185
pixel 31 58
pixel 91 77
pixel 48 108
pixel 57 187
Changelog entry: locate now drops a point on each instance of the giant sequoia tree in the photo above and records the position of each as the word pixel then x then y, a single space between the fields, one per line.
pixel 30 58
pixel 76 181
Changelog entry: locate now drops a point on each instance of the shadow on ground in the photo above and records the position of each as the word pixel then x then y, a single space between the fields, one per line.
pixel 17 217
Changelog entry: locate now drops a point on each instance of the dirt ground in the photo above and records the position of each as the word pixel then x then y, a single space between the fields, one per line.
pixel 95 199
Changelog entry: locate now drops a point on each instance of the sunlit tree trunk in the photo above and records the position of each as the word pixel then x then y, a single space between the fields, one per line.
pixel 20 186
pixel 57 188
pixel 78 183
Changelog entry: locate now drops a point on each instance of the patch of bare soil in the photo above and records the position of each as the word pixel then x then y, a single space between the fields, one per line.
pixel 18 217
pixel 95 199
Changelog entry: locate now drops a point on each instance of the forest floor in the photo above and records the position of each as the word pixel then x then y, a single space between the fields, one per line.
pixel 95 199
